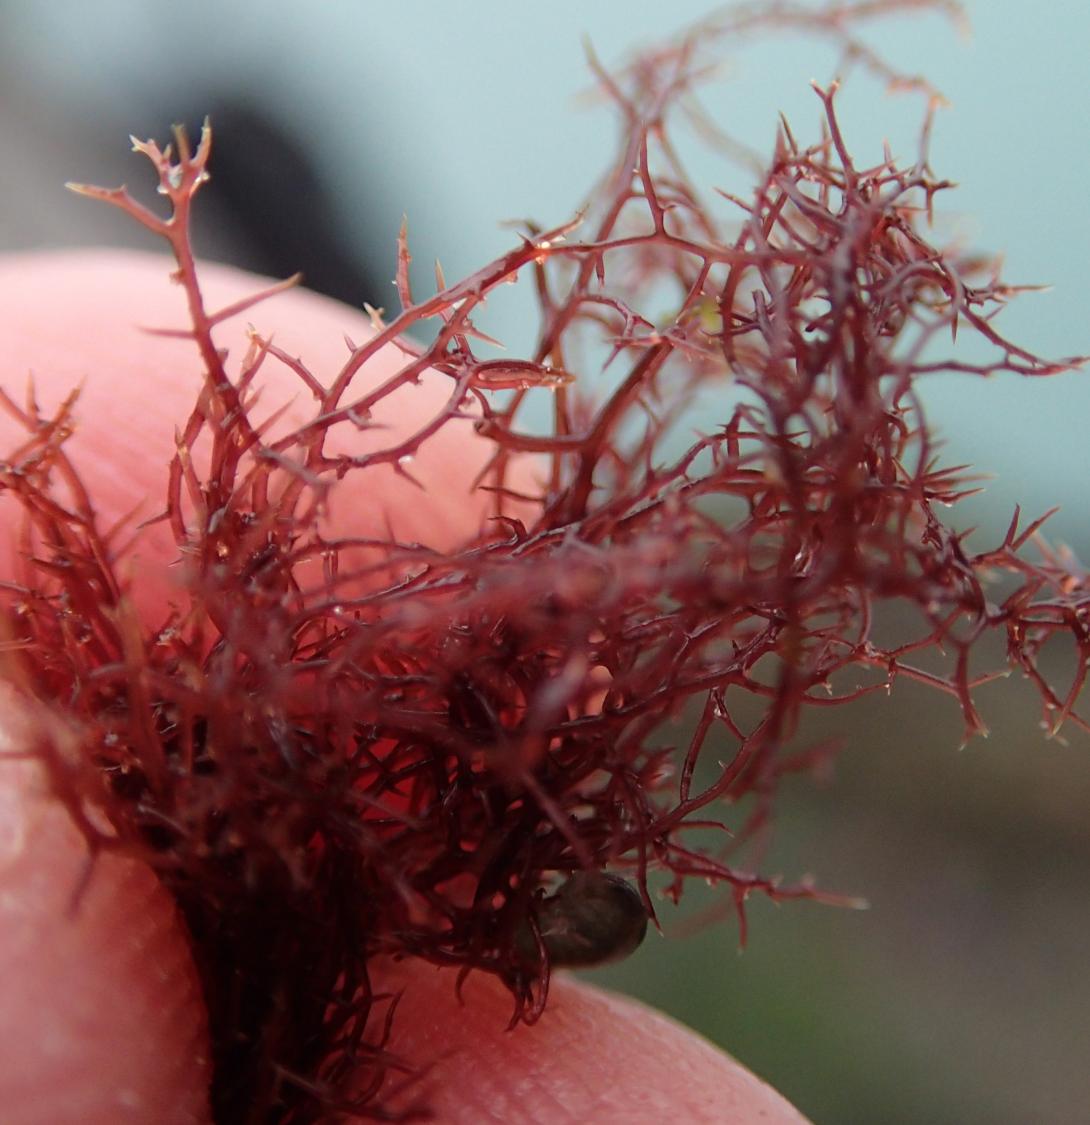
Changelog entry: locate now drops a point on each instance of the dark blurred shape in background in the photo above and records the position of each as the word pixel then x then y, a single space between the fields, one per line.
pixel 268 208
pixel 270 204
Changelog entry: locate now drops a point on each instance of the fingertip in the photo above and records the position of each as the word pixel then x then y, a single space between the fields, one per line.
pixel 592 1056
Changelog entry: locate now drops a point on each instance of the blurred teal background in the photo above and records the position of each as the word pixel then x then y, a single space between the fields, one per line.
pixel 962 994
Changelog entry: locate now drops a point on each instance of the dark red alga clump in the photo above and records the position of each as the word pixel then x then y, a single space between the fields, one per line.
pixel 323 777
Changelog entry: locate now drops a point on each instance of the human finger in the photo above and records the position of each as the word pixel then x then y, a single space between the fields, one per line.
pixel 78 318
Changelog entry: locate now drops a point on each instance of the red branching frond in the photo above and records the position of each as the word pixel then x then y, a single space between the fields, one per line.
pixel 408 756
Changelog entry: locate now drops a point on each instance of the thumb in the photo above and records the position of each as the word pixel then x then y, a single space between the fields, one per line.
pixel 103 1019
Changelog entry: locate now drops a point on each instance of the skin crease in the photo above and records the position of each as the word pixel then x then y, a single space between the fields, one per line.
pixel 101 1020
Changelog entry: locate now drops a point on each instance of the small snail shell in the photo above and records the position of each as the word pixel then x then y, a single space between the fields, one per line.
pixel 594 918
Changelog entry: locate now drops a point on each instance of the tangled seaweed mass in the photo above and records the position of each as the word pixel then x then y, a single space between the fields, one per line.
pixel 340 747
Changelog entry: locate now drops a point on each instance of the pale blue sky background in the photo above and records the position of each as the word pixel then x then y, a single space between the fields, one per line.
pixel 394 97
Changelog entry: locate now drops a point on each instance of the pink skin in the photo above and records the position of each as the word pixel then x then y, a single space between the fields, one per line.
pixel 101 1020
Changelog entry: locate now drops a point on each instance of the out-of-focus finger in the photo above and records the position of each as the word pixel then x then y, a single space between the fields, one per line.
pixel 74 320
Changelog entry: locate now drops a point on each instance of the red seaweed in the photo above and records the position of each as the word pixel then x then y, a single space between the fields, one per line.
pixel 411 759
